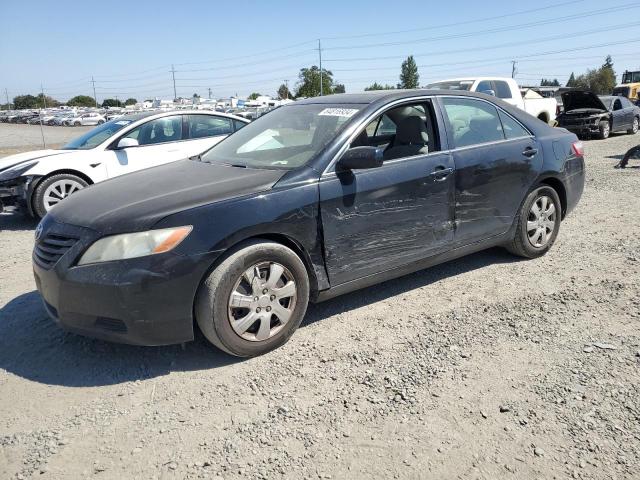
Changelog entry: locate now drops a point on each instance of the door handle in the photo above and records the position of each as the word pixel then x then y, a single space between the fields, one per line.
pixel 530 152
pixel 440 173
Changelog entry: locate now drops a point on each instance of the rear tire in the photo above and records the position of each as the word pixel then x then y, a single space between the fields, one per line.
pixel 234 313
pixel 605 129
pixel 76 124
pixel 634 128
pixel 537 223
pixel 53 190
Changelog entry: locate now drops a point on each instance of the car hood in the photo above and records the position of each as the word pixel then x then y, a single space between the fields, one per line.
pixel 582 99
pixel 136 201
pixel 13 160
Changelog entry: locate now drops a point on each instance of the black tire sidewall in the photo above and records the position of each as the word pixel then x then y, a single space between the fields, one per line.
pixel 212 308
pixel 38 195
pixel 530 250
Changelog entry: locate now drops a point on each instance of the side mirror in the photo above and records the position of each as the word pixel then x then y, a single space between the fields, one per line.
pixel 127 142
pixel 358 158
pixel 489 92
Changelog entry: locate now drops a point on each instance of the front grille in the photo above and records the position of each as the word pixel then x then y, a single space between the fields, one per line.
pixel 51 248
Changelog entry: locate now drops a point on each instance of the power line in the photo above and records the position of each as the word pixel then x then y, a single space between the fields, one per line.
pixel 495 46
pixel 612 9
pixel 455 24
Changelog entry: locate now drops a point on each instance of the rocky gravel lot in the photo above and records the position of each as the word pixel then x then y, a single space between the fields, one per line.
pixel 486 367
pixel 16 138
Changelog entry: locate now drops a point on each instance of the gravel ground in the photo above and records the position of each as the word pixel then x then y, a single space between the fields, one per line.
pixel 486 367
pixel 15 138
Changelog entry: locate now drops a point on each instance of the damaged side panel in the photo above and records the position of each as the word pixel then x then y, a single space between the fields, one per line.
pixel 377 219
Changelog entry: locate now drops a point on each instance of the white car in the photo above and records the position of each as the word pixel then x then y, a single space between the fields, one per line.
pixel 39 180
pixel 91 118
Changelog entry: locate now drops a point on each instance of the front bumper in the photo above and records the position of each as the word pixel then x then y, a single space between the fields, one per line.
pixel 142 301
pixel 17 192
pixel 585 129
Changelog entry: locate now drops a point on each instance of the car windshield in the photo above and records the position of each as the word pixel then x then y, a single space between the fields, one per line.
pixel 451 85
pixel 96 136
pixel 285 138
pixel 608 101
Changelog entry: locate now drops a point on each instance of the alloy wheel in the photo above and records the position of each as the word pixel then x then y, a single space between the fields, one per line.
pixel 262 301
pixel 541 221
pixel 635 125
pixel 58 191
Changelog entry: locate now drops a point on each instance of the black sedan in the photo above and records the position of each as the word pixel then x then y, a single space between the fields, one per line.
pixel 587 114
pixel 313 200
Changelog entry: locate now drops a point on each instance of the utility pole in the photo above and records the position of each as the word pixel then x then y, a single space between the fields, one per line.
pixel 95 97
pixel 173 75
pixel 514 70
pixel 286 84
pixel 320 57
pixel 44 99
pixel 6 94
pixel 209 93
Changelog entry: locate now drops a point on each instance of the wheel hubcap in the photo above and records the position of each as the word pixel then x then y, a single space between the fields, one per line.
pixel 262 301
pixel 635 126
pixel 58 191
pixel 541 222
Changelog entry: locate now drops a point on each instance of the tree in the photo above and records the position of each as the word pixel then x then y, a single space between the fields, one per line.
pixel 572 80
pixel 25 101
pixel 549 83
pixel 309 82
pixel 130 101
pixel 283 92
pixel 600 81
pixel 254 96
pixel 111 102
pixel 378 86
pixel 409 77
pixel 339 88
pixel 81 101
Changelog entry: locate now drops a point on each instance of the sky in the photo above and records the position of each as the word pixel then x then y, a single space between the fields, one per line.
pixel 240 47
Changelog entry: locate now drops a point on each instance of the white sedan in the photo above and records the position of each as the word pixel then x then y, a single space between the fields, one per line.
pixel 91 118
pixel 39 180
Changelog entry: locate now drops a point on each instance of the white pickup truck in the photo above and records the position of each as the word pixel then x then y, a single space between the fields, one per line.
pixel 506 89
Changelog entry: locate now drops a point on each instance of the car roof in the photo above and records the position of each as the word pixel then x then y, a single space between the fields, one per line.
pixel 382 96
pixel 134 117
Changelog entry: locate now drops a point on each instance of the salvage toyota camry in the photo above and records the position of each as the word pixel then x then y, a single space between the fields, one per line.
pixel 313 200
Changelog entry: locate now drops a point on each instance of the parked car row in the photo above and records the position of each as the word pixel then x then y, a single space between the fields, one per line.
pixel 63 117
pixel 317 198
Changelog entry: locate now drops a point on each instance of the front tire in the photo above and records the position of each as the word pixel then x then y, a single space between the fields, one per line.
pixel 605 129
pixel 537 224
pixel 53 190
pixel 254 300
pixel 634 128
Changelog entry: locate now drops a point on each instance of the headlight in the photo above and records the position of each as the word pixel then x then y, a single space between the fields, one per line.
pixel 132 245
pixel 15 171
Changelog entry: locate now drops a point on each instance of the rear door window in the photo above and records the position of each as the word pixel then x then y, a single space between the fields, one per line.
pixel 502 89
pixel 472 122
pixel 203 126
pixel 512 129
